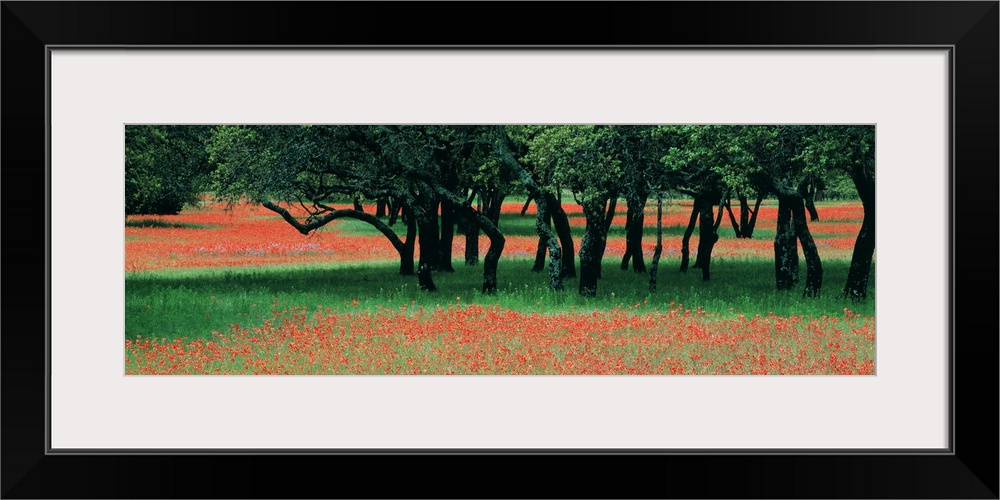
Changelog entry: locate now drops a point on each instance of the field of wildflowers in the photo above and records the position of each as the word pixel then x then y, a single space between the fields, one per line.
pixel 224 326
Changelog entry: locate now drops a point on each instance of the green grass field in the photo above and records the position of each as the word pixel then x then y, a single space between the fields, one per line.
pixel 194 303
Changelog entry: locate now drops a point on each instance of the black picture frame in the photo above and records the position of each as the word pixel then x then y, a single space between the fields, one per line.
pixel 970 470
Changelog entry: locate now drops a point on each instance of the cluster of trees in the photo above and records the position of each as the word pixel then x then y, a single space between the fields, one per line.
pixel 443 181
pixel 165 167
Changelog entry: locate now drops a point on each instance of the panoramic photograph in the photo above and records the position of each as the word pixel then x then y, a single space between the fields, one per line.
pixel 499 250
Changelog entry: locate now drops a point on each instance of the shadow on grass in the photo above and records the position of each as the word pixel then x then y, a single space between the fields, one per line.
pixel 165 224
pixel 746 285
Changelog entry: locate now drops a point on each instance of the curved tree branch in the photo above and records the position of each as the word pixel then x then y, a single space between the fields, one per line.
pixel 336 214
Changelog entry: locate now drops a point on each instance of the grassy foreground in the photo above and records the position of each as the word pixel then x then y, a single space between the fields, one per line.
pixel 366 319
pixel 198 302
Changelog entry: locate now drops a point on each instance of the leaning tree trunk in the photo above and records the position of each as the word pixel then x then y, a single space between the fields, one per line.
pixel 814 267
pixel 546 239
pixel 811 206
pixel 561 223
pixel 497 242
pixel 685 252
pixel 591 250
pixel 447 237
pixel 527 204
pixel 659 244
pixel 602 242
pixel 707 237
pixel 856 288
pixel 405 249
pixel 786 254
pixel 737 229
pixel 635 217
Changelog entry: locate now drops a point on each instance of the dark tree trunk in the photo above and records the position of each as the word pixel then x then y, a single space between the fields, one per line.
pixel 447 236
pixel 811 206
pixel 428 236
pixel 406 256
pixel 609 217
pixel 707 237
pixel 561 223
pixel 659 245
pixel 472 244
pixel 553 207
pixel 685 242
pixel 547 238
pixel 786 255
pixel 394 210
pixel 744 215
pixel 357 205
pixel 492 255
pixel 543 227
pixel 380 210
pixel 527 203
pixel 749 226
pixel 856 288
pixel 497 241
pixel 814 267
pixel 492 203
pixel 591 247
pixel 732 218
pixel 425 279
pixel 635 217
pixel 748 217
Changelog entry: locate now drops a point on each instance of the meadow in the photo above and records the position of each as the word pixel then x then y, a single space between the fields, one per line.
pixel 236 290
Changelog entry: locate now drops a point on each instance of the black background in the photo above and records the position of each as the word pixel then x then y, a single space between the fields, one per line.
pixel 971 472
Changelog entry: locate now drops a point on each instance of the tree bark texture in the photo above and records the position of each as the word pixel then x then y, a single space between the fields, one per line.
pixel 814 267
pixel 544 229
pixel 609 218
pixel 591 247
pixel 786 255
pixel 561 223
